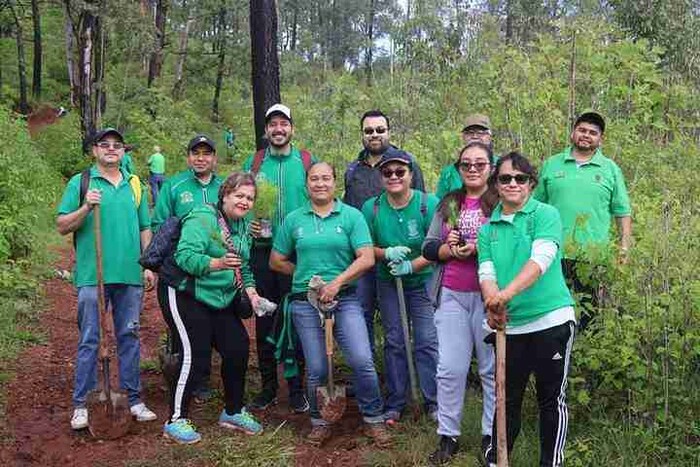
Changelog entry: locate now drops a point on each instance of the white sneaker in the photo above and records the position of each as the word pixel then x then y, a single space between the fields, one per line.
pixel 79 420
pixel 142 413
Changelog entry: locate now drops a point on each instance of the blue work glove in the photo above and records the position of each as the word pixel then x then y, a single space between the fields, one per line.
pixel 401 268
pixel 395 254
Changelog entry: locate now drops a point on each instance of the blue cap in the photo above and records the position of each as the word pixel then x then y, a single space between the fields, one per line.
pixel 396 155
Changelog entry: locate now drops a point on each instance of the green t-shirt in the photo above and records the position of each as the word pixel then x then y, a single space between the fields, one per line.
pixel 121 223
pixel 401 227
pixel 587 197
pixel 323 246
pixel 182 192
pixel 449 180
pixel 288 174
pixel 127 163
pixel 156 163
pixel 509 246
pixel 200 241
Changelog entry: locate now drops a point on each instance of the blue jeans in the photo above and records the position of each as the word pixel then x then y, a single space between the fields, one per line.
pixel 351 334
pixel 124 302
pixel 367 293
pixel 156 181
pixel 419 310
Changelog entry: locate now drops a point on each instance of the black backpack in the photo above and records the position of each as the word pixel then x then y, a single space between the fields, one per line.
pixel 159 256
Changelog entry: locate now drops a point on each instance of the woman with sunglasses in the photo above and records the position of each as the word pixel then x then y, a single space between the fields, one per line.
pixel 524 290
pixel 398 219
pixel 330 239
pixel 206 309
pixel 451 242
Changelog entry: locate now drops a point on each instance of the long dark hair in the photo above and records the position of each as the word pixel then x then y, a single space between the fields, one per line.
pixel 487 200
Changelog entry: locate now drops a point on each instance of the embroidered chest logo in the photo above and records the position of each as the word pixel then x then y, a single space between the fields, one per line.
pixel 338 229
pixel 598 178
pixel 412 226
pixel 186 197
pixel 560 174
pixel 299 233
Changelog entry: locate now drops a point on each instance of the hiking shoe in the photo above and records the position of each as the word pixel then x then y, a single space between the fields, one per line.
pixel 446 450
pixel 391 418
pixel 319 435
pixel 489 451
pixel 181 431
pixel 379 434
pixel 79 420
pixel 242 421
pixel 263 400
pixel 298 403
pixel 142 413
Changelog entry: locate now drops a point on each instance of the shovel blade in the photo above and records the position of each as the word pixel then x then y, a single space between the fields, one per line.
pixel 332 405
pixel 108 418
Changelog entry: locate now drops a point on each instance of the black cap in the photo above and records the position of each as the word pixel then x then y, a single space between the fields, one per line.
pixel 593 118
pixel 101 134
pixel 201 139
pixel 396 155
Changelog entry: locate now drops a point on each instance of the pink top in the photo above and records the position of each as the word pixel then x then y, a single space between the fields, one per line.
pixel 462 275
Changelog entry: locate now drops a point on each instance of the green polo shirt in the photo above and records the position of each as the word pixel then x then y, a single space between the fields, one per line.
pixel 121 223
pixel 406 226
pixel 324 246
pixel 587 197
pixel 288 174
pixel 509 246
pixel 181 193
pixel 156 163
pixel 450 180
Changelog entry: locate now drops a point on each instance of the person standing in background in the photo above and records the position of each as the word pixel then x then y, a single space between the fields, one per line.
pixel 156 175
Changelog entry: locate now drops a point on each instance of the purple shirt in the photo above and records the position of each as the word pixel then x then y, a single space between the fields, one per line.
pixel 462 275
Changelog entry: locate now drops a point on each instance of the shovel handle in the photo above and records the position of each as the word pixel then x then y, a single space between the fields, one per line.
pixel 502 439
pixel 329 353
pixel 96 220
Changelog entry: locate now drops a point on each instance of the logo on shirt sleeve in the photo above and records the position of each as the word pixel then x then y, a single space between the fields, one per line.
pixel 186 197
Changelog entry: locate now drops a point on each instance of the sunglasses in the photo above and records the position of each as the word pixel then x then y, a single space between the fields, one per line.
pixel 520 179
pixel 380 130
pixel 107 145
pixel 467 166
pixel 388 173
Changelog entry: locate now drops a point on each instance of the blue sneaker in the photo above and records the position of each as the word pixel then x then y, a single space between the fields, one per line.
pixel 181 431
pixel 242 421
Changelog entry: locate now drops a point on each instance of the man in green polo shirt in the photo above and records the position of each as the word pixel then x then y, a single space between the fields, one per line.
pixel 125 233
pixel 156 169
pixel 284 166
pixel 589 191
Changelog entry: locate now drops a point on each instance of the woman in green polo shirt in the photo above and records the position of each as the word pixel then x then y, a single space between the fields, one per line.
pixel 214 249
pixel 524 291
pixel 331 240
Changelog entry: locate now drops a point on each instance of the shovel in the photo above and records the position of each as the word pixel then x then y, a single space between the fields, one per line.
pixel 109 415
pixel 415 395
pixel 502 440
pixel 332 400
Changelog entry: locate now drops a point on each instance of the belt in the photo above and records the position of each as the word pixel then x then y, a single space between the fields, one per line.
pixel 301 296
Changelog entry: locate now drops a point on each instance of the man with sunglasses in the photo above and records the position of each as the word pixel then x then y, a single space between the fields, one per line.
pixel 125 233
pixel 477 128
pixel 589 191
pixel 363 180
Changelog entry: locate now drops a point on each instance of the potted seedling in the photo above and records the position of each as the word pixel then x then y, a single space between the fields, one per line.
pixel 265 205
pixel 453 219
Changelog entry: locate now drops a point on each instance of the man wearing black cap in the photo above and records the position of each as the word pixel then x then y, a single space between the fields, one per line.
pixel 284 166
pixel 589 191
pixel 125 233
pixel 190 188
pixel 363 180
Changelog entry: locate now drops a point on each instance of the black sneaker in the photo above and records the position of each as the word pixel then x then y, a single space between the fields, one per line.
pixel 263 400
pixel 298 403
pixel 446 450
pixel 488 451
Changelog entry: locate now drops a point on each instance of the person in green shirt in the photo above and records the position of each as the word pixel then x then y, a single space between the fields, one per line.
pixel 284 166
pixel 207 307
pixel 156 169
pixel 127 162
pixel 525 294
pixel 398 219
pixel 477 128
pixel 125 233
pixel 330 239
pixel 194 187
pixel 588 189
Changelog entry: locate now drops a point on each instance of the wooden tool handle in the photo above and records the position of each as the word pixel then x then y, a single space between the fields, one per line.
pixel 329 353
pixel 501 398
pixel 104 350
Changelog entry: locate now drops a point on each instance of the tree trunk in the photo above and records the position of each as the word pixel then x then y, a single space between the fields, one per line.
pixel 155 63
pixel 221 67
pixel 179 86
pixel 509 21
pixel 69 39
pixel 21 60
pixel 36 77
pixel 295 24
pixel 265 62
pixel 572 82
pixel 370 42
pixel 86 36
pixel 100 99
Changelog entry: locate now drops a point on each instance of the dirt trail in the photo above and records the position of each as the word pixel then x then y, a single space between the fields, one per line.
pixel 39 400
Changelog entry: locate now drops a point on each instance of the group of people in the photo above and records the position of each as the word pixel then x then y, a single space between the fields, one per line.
pixel 490 250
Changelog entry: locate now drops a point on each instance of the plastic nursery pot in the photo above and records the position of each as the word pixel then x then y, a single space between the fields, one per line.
pixel 265 228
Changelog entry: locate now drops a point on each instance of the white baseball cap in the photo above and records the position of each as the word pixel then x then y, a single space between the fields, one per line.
pixel 278 109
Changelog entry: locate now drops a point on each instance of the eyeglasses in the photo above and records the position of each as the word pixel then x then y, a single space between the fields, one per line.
pixel 380 130
pixel 108 144
pixel 388 173
pixel 467 166
pixel 520 179
pixel 476 132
